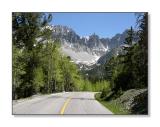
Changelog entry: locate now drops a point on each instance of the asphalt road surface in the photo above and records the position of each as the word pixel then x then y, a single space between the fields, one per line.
pixel 61 103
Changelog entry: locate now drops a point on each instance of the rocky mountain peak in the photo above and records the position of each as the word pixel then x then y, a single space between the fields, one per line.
pixel 86 49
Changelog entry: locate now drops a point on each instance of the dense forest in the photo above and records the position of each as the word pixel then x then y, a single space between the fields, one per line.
pixel 38 66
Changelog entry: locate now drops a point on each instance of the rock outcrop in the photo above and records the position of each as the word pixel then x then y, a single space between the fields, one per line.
pixel 135 101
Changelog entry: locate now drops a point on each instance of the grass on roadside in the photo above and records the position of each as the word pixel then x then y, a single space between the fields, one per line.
pixel 114 107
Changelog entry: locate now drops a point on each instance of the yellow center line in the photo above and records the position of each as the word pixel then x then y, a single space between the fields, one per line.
pixel 64 106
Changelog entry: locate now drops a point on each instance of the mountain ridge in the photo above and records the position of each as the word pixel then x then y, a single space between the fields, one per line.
pixel 85 49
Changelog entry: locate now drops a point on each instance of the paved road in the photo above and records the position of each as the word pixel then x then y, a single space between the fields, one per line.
pixel 61 103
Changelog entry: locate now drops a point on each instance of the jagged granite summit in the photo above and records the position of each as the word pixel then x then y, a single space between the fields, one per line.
pixel 85 50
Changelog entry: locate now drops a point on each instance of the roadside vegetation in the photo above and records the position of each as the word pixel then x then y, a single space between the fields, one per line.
pixel 114 107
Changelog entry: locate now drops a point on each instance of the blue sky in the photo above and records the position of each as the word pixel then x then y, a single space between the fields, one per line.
pixel 103 24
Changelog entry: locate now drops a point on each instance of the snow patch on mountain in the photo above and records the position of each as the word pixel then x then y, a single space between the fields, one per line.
pixel 80 57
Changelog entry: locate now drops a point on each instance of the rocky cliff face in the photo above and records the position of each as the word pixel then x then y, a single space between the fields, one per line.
pixel 85 50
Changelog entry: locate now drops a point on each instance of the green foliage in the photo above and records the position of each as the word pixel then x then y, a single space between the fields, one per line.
pixel 87 86
pixel 129 38
pixel 50 63
pixel 99 86
pixel 122 78
pixel 96 87
pixel 70 74
pixel 38 81
pixel 18 69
